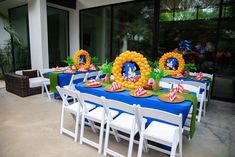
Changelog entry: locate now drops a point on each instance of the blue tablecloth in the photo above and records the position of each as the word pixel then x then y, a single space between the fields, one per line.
pixel 150 102
pixel 64 79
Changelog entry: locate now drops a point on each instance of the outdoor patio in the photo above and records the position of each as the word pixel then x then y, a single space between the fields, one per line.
pixel 30 127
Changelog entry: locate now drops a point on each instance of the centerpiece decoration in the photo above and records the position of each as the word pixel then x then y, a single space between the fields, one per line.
pixel 172 62
pixel 70 63
pixel 82 59
pixel 94 61
pixel 106 68
pixel 156 75
pixel 189 67
pixel 153 65
pixel 124 68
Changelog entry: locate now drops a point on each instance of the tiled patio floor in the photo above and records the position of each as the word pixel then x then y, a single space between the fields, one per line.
pixel 29 127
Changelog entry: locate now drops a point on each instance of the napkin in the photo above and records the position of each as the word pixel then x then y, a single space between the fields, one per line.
pixel 82 69
pixel 140 91
pixel 93 82
pixel 180 88
pixel 92 67
pixel 171 95
pixel 115 86
pixel 199 76
pixel 179 75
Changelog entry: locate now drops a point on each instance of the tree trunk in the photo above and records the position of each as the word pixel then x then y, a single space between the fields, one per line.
pixel 156 85
pixel 107 78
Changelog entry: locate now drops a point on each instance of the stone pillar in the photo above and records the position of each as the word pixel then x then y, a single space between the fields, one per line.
pixel 37 12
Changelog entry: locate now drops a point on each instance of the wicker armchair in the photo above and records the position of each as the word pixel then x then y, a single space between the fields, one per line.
pixel 19 85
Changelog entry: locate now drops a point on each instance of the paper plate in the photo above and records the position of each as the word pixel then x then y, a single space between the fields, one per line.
pixel 185 91
pixel 69 72
pixel 164 97
pixel 148 94
pixel 86 85
pixel 203 79
pixel 107 88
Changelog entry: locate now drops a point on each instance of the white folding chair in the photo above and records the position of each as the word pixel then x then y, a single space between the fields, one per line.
pixel 73 108
pixel 74 78
pixel 167 85
pixel 95 74
pixel 200 98
pixel 170 80
pixel 98 115
pixel 125 122
pixel 45 82
pixel 203 95
pixel 160 132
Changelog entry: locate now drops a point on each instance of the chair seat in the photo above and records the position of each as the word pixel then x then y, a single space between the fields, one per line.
pixel 35 82
pixel 73 107
pixel 161 132
pixel 124 123
pixel 97 113
pixel 46 81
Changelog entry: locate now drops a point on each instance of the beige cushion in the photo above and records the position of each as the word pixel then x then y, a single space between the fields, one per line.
pixel 35 82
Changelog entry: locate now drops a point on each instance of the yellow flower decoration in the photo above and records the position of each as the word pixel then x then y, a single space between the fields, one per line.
pixel 76 58
pixel 140 60
pixel 180 59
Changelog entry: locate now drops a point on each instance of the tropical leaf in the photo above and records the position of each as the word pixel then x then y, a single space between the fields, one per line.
pixel 106 68
pixel 69 61
pixel 94 59
pixel 157 74
pixel 190 67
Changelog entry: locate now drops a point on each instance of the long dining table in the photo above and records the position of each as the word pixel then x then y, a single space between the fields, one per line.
pixel 149 102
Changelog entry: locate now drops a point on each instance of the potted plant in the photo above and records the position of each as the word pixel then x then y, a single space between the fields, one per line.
pixel 94 60
pixel 189 67
pixel 69 61
pixel 157 75
pixel 106 68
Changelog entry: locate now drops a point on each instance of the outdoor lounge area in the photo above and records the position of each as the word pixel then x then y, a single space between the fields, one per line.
pixel 117 78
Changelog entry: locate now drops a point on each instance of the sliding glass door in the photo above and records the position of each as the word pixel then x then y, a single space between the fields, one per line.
pixel 58 37
pixel 20 50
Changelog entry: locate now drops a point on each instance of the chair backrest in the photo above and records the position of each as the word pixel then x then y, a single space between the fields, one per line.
pixel 76 77
pixel 160 115
pixel 43 71
pixel 109 103
pixel 196 84
pixel 65 93
pixel 95 74
pixel 203 74
pixel 191 88
pixel 165 84
pixel 192 73
pixel 170 80
pixel 208 75
pixel 91 98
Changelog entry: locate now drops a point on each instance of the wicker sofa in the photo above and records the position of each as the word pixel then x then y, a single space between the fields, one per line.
pixel 22 85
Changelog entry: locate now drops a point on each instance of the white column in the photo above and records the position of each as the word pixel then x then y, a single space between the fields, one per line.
pixel 37 12
pixel 74 31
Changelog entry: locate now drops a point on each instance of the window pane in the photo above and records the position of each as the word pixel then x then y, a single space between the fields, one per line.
pixel 95 32
pixel 132 28
pixel 21 53
pixel 57 21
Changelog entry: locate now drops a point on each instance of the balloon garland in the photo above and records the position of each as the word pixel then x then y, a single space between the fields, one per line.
pixel 130 56
pixel 77 57
pixel 171 56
